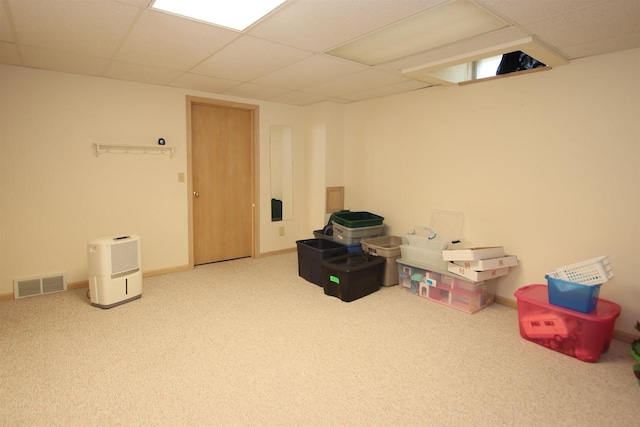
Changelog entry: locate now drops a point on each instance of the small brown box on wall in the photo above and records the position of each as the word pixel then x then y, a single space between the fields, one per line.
pixel 335 199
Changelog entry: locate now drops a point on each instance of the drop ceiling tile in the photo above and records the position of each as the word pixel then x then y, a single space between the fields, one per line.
pixel 313 70
pixel 298 98
pixel 452 50
pixel 353 83
pixel 62 61
pixel 395 89
pixel 9 54
pixel 6 31
pixel 123 39
pixel 247 58
pixel 527 12
pixel 319 25
pixel 250 90
pixel 602 46
pixel 590 24
pixel 340 100
pixel 203 83
pixel 167 41
pixel 139 3
pixel 91 28
pixel 457 20
pixel 141 73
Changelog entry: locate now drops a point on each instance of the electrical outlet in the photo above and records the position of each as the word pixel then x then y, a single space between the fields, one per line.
pixel 281 231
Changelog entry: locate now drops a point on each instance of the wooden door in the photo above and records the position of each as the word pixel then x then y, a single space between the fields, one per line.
pixel 221 156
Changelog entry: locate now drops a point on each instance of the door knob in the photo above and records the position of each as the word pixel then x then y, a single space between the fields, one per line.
pixel 196 194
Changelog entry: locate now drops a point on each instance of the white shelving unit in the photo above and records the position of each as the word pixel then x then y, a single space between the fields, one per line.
pixel 134 149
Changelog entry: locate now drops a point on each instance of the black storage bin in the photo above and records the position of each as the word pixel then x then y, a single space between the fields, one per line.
pixel 311 252
pixel 352 276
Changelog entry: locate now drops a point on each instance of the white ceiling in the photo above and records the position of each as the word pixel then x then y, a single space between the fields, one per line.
pixel 281 58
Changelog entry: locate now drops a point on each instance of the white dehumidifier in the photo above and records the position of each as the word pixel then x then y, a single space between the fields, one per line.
pixel 115 274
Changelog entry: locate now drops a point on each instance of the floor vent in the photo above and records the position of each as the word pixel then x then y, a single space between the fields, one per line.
pixel 30 286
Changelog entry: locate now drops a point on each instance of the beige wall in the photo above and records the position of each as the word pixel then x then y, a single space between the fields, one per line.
pixel 547 165
pixel 325 159
pixel 56 194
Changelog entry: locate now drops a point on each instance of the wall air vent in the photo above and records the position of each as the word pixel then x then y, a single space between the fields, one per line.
pixel 30 286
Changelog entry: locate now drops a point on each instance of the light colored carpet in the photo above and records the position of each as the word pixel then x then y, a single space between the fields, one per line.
pixel 249 342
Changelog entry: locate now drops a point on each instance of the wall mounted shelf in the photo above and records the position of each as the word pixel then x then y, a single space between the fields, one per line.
pixel 134 149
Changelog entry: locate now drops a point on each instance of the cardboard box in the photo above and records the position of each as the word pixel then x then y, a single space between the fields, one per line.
pixel 472 254
pixel 478 276
pixel 489 264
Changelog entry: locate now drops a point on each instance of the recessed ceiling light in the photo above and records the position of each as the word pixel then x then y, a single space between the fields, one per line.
pixel 235 14
pixel 438 26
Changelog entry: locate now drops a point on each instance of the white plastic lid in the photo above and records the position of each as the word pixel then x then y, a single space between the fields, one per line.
pixel 447 224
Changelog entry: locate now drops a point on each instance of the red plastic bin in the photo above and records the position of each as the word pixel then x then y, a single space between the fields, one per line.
pixel 584 336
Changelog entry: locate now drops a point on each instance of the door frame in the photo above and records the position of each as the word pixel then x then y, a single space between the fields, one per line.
pixel 255 172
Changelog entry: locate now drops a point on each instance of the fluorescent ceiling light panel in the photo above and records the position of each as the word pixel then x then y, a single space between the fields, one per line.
pixel 235 14
pixel 449 23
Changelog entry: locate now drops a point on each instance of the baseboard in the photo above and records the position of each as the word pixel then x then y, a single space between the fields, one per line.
pixel 85 283
pixel 624 336
pixel 506 301
pixel 6 297
pixel 162 271
pixel 77 285
pixel 280 252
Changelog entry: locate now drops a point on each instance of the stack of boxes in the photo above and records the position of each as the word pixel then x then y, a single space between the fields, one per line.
pixel 566 315
pixel 479 264
pixel 349 274
pixel 311 252
pixel 446 288
pixel 577 286
pixel 424 245
pixel 435 266
pixel 349 228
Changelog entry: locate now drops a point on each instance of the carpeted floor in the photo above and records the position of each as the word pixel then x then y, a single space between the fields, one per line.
pixel 249 342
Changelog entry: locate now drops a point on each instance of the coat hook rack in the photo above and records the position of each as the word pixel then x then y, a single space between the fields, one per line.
pixel 134 149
